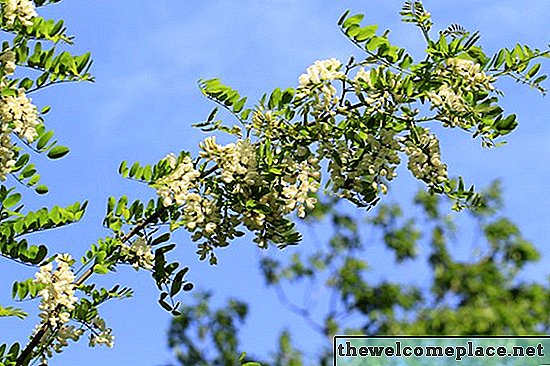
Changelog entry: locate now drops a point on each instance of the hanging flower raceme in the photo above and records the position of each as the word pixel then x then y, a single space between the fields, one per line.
pixel 7 155
pixel 57 292
pixel 139 254
pixel 360 170
pixel 21 113
pixel 237 161
pixel 362 76
pixel 447 98
pixel 460 77
pixel 471 74
pixel 22 10
pixel 58 300
pixel 267 123
pixel 323 70
pixel 425 158
pixel 316 84
pixel 176 186
pixel 17 114
pixel 100 334
pixel 7 58
pixel 297 193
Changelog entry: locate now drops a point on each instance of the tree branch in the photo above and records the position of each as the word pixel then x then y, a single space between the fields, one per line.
pixel 35 340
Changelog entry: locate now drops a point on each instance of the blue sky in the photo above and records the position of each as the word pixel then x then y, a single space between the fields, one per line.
pixel 148 57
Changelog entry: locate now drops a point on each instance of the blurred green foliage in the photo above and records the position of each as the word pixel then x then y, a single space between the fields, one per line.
pixel 477 293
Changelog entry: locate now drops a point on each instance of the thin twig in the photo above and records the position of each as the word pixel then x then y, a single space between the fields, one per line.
pixel 304 313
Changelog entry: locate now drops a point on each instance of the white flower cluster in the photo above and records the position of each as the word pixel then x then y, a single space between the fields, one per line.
pixel 101 334
pixel 237 161
pixel 238 165
pixel 7 160
pixel 297 193
pixel 362 76
pixel 319 77
pixel 19 110
pixel 321 70
pixel 200 212
pixel 447 98
pixel 425 158
pixel 471 73
pixel 139 254
pixel 373 164
pixel 175 187
pixel 58 298
pixel 22 10
pixel 7 58
pixel 17 114
pixel 267 123
pixel 460 76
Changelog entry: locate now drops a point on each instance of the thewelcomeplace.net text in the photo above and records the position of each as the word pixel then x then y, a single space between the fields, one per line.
pixel 347 349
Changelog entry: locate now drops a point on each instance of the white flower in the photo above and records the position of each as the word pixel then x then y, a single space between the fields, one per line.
pixel 470 71
pixel 58 291
pixel 448 98
pixel 172 160
pixel 210 228
pixel 65 333
pixel 370 166
pixel 101 334
pixel 237 161
pixel 425 158
pixel 297 194
pixel 19 110
pixel 7 160
pixel 57 339
pixel 175 187
pixel 459 78
pixel 8 61
pixel 139 254
pixel 362 76
pixel 200 212
pixel 253 220
pixel 323 70
pixel 23 10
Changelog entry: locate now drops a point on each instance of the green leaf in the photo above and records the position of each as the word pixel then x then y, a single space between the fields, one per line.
pixel 353 20
pixel 58 152
pixel 11 200
pixel 507 124
pixel 212 115
pixel 10 312
pixel 239 105
pixel 343 17
pixel 100 269
pixel 123 169
pixel 499 59
pixel 177 283
pixel 21 162
pixel 14 350
pixel 366 33
pixel 41 189
pixel 43 140
pixel 134 169
pixel 540 79
pixel 163 303
pixel 161 239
